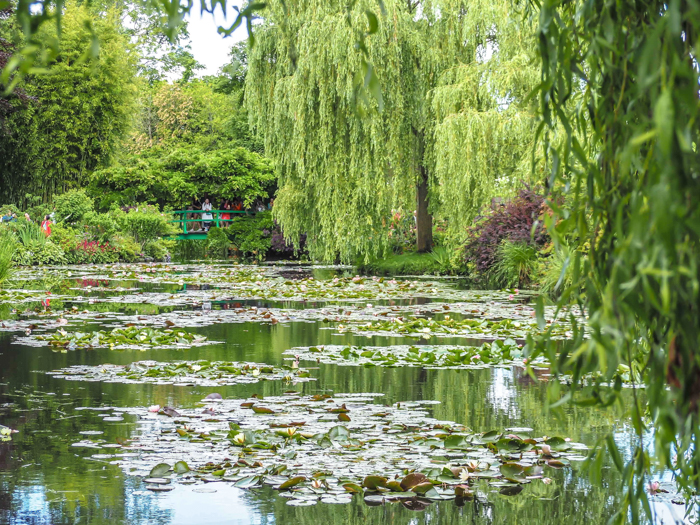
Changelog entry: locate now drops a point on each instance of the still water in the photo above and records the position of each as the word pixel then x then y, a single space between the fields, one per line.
pixel 44 479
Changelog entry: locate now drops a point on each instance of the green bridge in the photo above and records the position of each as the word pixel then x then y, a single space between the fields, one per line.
pixel 192 228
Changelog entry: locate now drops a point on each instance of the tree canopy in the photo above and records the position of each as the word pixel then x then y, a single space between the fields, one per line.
pixel 344 162
pixel 81 107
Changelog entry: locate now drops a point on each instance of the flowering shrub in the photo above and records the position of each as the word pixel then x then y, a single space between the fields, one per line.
pixel 93 252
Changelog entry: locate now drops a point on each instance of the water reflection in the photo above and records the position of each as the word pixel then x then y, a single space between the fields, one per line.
pixel 43 479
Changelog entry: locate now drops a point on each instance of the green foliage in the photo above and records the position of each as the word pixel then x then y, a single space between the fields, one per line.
pixel 630 165
pixel 218 243
pixel 516 263
pixel 127 248
pixel 403 264
pixel 72 206
pixel 28 233
pixel 7 248
pixel 101 226
pixel 158 249
pixel 554 273
pixel 145 224
pixel 345 161
pixel 45 253
pixel 78 112
pixel 251 236
pixel 175 176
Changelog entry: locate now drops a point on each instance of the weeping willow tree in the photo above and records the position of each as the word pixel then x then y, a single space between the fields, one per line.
pixel 345 160
pixel 484 121
pixel 631 166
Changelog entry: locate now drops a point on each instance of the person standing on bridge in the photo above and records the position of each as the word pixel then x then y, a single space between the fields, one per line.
pixel 207 217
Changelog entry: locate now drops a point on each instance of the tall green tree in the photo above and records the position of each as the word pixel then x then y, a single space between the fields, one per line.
pixel 345 159
pixel 81 106
pixel 631 166
pixel 86 102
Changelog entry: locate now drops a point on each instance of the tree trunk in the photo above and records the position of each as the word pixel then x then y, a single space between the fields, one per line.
pixel 424 221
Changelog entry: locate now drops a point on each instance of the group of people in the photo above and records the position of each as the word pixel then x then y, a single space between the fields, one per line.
pixel 10 216
pixel 227 212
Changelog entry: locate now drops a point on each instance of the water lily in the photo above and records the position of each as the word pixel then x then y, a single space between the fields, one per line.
pixel 316 484
pixel 195 368
pixel 464 475
pixel 546 450
pixel 290 431
pixel 547 481
pixel 154 408
pixel 256 372
pixel 239 439
pixel 473 466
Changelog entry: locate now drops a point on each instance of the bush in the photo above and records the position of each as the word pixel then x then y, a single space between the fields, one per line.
pixel 101 226
pixel 158 249
pixel 515 265
pixel 127 248
pixel 145 223
pixel 252 236
pixel 511 222
pixel 72 206
pixel 218 243
pixel 46 253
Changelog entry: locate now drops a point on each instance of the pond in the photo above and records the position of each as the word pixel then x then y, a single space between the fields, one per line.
pixel 307 349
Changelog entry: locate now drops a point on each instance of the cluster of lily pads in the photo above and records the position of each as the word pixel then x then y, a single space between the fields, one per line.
pixel 499 352
pixel 132 337
pixel 420 327
pixel 323 448
pixel 184 373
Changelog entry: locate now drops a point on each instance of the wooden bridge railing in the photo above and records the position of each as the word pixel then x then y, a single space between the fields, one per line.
pixel 181 218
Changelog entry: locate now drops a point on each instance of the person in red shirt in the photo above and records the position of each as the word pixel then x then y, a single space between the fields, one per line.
pixel 226 216
pixel 46 225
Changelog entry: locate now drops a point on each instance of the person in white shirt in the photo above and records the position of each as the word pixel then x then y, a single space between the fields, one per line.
pixel 207 217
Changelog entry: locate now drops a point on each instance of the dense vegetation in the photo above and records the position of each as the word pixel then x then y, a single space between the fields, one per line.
pixel 370 111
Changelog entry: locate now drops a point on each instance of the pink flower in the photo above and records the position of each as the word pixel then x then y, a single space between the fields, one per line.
pixel 510 297
pixel 154 408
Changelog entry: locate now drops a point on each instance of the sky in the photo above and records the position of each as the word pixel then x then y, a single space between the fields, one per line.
pixel 209 47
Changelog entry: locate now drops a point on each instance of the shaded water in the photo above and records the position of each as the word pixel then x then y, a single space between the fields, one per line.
pixel 43 479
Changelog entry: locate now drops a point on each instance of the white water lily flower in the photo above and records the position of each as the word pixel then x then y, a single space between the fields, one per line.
pixel 142 338
pixel 239 439
pixel 290 431
pixel 316 484
pixel 256 372
pixel 547 481
pixel 464 475
pixel 473 465
pixel 196 368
